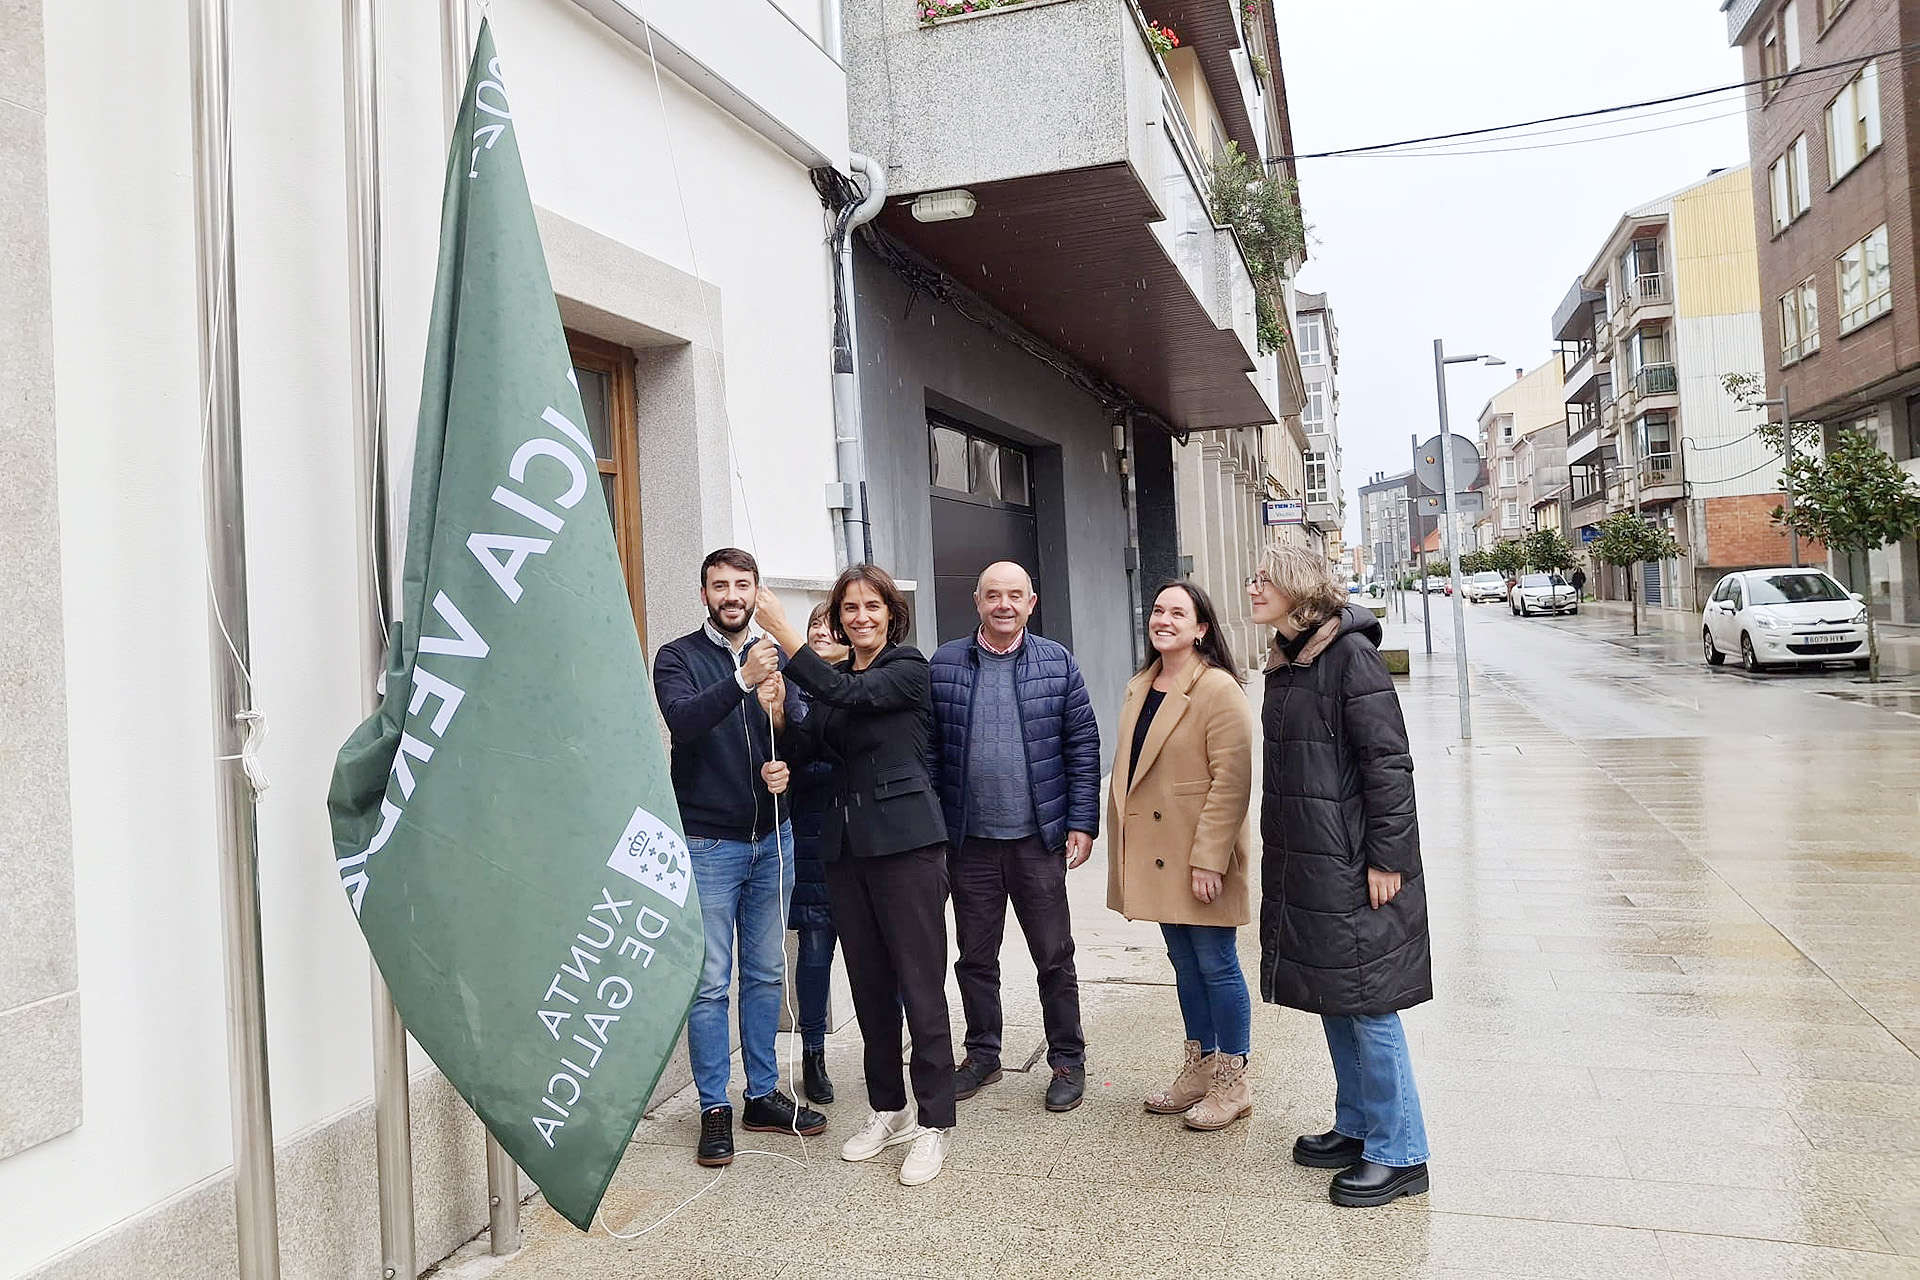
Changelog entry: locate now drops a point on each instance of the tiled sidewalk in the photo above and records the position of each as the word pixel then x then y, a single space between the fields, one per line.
pixel 1674 981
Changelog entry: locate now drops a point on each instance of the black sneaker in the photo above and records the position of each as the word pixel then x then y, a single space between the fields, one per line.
pixel 1068 1087
pixel 813 1067
pixel 971 1076
pixel 777 1113
pixel 716 1137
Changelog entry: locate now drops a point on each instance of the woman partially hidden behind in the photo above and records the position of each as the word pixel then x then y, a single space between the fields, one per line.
pixel 1343 912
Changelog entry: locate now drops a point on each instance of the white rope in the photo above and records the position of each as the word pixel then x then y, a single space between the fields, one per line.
pixel 249 754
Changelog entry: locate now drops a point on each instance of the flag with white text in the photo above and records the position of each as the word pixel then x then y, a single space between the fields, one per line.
pixel 504 825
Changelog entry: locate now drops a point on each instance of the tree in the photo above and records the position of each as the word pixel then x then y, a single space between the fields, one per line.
pixel 1508 558
pixel 1474 562
pixel 1749 390
pixel 1627 540
pixel 1855 500
pixel 1548 551
pixel 1264 213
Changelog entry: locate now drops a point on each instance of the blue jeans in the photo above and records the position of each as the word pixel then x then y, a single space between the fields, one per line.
pixel 1374 1096
pixel 743 895
pixel 1213 991
pixel 813 981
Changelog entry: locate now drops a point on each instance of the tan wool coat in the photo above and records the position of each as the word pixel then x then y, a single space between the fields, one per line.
pixel 1187 806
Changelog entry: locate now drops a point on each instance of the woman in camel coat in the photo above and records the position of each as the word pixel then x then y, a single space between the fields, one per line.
pixel 1178 845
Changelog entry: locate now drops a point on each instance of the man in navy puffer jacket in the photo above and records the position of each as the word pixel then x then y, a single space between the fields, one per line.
pixel 1017 764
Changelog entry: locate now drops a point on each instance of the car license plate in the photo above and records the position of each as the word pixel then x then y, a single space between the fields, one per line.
pixel 1823 637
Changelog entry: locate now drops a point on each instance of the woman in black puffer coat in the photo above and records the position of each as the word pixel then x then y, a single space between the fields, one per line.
pixel 809 915
pixel 1343 912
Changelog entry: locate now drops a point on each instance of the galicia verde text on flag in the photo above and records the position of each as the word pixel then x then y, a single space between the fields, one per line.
pixel 504 825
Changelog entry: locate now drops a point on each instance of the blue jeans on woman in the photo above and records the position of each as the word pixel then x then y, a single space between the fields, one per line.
pixel 1213 991
pixel 1374 1095
pixel 813 982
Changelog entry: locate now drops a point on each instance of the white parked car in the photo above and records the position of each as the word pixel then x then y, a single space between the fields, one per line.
pixel 1543 593
pixel 1481 587
pixel 1774 617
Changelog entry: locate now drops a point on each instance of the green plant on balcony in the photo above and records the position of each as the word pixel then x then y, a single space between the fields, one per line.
pixel 1264 213
pixel 1259 65
pixel 1162 38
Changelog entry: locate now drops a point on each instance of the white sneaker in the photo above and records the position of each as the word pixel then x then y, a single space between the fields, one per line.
pixel 883 1129
pixel 924 1159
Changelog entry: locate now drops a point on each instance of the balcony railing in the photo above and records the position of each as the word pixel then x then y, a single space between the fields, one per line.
pixel 1656 380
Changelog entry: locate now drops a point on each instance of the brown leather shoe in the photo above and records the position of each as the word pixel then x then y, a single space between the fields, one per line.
pixel 1228 1099
pixel 1188 1087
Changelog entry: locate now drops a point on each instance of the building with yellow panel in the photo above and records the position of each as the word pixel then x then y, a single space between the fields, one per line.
pixel 1670 306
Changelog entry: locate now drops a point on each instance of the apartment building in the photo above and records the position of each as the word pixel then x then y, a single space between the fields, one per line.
pixel 702 340
pixel 1532 403
pixel 1392 525
pixel 1831 138
pixel 1046 295
pixel 1317 342
pixel 1669 306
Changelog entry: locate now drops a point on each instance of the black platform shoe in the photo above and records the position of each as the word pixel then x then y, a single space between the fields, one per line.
pixel 1368 1184
pixel 1329 1150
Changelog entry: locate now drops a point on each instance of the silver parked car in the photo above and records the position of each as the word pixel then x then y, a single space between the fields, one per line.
pixel 1543 593
pixel 1481 587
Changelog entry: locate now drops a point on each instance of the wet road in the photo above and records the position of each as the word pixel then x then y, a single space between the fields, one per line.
pixel 1676 922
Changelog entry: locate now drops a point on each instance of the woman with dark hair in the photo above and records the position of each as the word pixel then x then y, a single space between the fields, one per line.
pixel 809 915
pixel 1343 912
pixel 883 840
pixel 1178 845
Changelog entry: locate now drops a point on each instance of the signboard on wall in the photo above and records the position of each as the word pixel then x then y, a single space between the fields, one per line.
pixel 1283 511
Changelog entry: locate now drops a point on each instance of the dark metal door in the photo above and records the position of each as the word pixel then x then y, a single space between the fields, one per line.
pixel 982 498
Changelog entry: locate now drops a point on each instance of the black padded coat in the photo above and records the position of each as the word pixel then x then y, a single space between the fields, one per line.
pixel 1337 797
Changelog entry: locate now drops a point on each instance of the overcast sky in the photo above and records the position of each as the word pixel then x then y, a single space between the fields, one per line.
pixel 1479 250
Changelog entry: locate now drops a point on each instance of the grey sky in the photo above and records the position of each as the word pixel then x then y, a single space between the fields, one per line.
pixel 1479 250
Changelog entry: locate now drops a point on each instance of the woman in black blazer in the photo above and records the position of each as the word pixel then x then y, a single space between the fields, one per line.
pixel 883 839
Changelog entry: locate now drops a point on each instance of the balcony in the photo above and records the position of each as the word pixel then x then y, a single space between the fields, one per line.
pixel 1648 295
pixel 1656 380
pixel 1328 517
pixel 1584 444
pixel 1091 226
pixel 1212 32
pixel 1579 384
pixel 1662 478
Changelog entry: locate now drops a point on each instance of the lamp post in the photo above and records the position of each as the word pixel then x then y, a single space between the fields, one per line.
pixel 1786 480
pixel 1440 362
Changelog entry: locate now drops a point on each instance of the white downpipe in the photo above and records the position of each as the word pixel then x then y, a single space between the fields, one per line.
pixel 850 457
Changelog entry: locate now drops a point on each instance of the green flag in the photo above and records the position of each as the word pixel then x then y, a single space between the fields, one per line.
pixel 504 826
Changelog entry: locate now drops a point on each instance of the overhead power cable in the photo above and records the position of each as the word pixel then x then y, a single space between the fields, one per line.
pixel 1372 148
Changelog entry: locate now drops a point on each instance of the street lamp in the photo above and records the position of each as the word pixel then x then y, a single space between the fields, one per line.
pixel 1440 362
pixel 1786 479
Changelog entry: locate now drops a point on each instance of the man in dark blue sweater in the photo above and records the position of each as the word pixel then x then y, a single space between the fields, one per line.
pixel 1018 771
pixel 726 705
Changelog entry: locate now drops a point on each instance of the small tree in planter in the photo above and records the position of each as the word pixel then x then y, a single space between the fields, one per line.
pixel 1627 540
pixel 1854 500
pixel 1508 558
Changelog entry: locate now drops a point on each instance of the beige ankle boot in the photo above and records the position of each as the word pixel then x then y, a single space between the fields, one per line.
pixel 1230 1097
pixel 1188 1087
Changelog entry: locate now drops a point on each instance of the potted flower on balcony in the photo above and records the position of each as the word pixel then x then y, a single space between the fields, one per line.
pixel 1162 38
pixel 931 11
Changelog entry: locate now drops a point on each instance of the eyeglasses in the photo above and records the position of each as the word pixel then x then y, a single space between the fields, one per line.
pixel 1259 582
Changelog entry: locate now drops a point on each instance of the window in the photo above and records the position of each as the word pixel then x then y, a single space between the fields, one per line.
pixel 1787 178
pixel 1799 322
pixel 1656 441
pixel 1796 588
pixel 989 472
pixel 1313 416
pixel 1829 10
pixel 1866 281
pixel 1790 33
pixel 1853 123
pixel 1508 477
pixel 1773 62
pixel 604 371
pixel 1312 346
pixel 1506 428
pixel 1738 595
pixel 1317 477
pixel 1510 514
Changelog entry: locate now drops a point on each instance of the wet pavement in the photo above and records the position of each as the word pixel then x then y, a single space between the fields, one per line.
pixel 1674 1035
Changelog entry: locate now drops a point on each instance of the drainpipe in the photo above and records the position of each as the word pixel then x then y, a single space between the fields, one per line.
pixel 256 1211
pixel 849 494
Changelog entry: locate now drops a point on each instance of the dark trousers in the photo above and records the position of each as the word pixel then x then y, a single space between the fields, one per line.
pixel 892 918
pixel 813 983
pixel 986 874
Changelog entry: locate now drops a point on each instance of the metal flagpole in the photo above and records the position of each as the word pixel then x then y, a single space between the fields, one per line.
pixel 256 1210
pixel 503 1176
pixel 392 1117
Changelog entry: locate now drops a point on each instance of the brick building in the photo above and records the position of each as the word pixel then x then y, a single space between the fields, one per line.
pixel 1833 181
